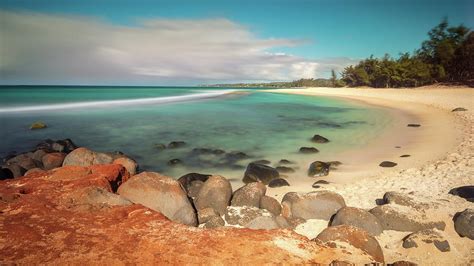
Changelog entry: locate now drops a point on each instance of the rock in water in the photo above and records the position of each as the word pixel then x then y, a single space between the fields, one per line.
pixel 387 164
pixel 413 125
pixel 22 160
pixel 355 237
pixel 38 125
pixel 459 109
pixel 313 205
pixel 319 139
pixel 279 182
pixel 174 162
pixel 85 157
pixel 176 144
pixel 249 195
pixel 318 168
pixel 464 223
pixel 465 192
pixel 129 164
pixel 53 160
pixel 160 193
pixel 215 193
pixel 358 218
pixel 259 172
pixel 308 150
pixel 262 162
pixel 285 169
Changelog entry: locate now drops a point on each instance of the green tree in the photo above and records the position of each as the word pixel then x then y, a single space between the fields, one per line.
pixel 333 78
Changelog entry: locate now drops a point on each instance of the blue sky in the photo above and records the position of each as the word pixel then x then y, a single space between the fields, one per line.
pixel 310 37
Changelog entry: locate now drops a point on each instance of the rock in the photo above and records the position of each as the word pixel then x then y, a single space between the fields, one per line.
pixel 282 222
pixel 459 109
pixel 160 193
pixel 236 155
pixel 34 171
pixel 321 182
pixel 214 222
pixel 188 181
pixel 358 218
pixel 260 172
pixel 263 222
pixel 426 237
pixel 129 164
pixel 355 237
pixel 64 145
pixel 319 139
pixel 318 168
pixel 313 205
pixel 262 162
pixel 204 215
pixel 38 125
pixel 15 170
pixel 409 221
pixel 85 157
pixel 93 198
pixel 387 164
pixel 22 160
pixel 270 204
pixel 194 188
pixel 53 160
pixel 38 155
pixel 160 146
pixel 215 193
pixel 176 144
pixel 6 173
pixel 285 169
pixel 402 263
pixel 285 161
pixel 464 223
pixel 413 125
pixel 393 197
pixel 465 192
pixel 308 150
pixel 244 214
pixel 333 164
pixel 249 195
pixel 174 162
pixel 404 155
pixel 279 182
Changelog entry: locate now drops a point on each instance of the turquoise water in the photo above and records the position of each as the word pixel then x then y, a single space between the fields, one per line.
pixel 135 119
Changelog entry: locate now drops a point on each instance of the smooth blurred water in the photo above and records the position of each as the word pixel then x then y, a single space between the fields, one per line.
pixel 260 124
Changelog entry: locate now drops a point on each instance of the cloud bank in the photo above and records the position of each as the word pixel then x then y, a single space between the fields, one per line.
pixel 50 49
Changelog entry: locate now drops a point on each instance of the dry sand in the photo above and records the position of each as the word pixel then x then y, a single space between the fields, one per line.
pixel 442 157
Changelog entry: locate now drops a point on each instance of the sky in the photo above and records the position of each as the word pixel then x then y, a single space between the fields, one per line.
pixel 63 42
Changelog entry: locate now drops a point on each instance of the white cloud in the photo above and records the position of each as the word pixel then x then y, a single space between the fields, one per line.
pixel 51 49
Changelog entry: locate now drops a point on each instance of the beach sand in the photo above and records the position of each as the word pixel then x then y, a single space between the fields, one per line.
pixel 441 158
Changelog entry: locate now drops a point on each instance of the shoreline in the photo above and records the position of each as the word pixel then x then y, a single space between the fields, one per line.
pixel 445 162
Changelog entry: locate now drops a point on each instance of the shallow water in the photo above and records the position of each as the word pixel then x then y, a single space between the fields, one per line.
pixel 260 124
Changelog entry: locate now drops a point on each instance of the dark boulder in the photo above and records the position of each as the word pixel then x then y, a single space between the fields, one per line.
pixel 285 169
pixel 175 161
pixel 318 168
pixel 236 155
pixel 465 192
pixel 187 179
pixel 308 150
pixel 249 195
pixel 387 164
pixel 464 223
pixel 279 182
pixel 285 161
pixel 270 204
pixel 413 125
pixel 262 162
pixel 358 218
pixel 260 172
pixel 6 173
pixel 319 139
pixel 313 205
pixel 404 155
pixel 459 109
pixel 424 237
pixel 176 144
pixel 214 193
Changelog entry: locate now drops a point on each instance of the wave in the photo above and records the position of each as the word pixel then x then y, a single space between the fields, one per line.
pixel 117 103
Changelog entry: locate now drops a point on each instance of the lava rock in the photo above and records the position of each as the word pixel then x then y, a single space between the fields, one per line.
pixel 426 237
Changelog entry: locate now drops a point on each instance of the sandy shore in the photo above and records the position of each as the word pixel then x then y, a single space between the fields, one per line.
pixel 441 158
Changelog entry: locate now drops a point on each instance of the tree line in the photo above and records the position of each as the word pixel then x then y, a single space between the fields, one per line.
pixel 447 56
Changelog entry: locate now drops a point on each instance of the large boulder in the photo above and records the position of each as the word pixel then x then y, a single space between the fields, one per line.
pixel 270 204
pixel 355 237
pixel 189 180
pixel 85 157
pixel 393 197
pixel 14 169
pixel 23 160
pixel 241 216
pixel 465 192
pixel 319 139
pixel 263 222
pixel 464 223
pixel 318 168
pixel 129 164
pixel 403 219
pixel 358 218
pixel 313 205
pixel 215 193
pixel 426 237
pixel 62 145
pixel 260 172
pixel 90 198
pixel 53 160
pixel 249 195
pixel 6 173
pixel 160 193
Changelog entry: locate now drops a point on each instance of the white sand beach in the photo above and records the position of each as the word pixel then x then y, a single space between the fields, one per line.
pixel 441 158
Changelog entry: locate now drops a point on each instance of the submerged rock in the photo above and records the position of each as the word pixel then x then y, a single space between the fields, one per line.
pixel 176 144
pixel 38 125
pixel 358 218
pixel 308 150
pixel 262 162
pixel 259 172
pixel 285 161
pixel 464 223
pixel 313 205
pixel 285 169
pixel 318 168
pixel 355 237
pixel 387 164
pixel 174 162
pixel 160 193
pixel 319 139
pixel 279 182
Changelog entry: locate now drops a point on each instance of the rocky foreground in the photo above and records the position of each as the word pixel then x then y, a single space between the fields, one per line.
pixel 81 206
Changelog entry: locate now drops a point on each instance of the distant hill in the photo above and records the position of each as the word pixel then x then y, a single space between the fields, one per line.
pixel 320 82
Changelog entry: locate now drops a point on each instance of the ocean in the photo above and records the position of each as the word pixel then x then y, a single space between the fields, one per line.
pixel 139 120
